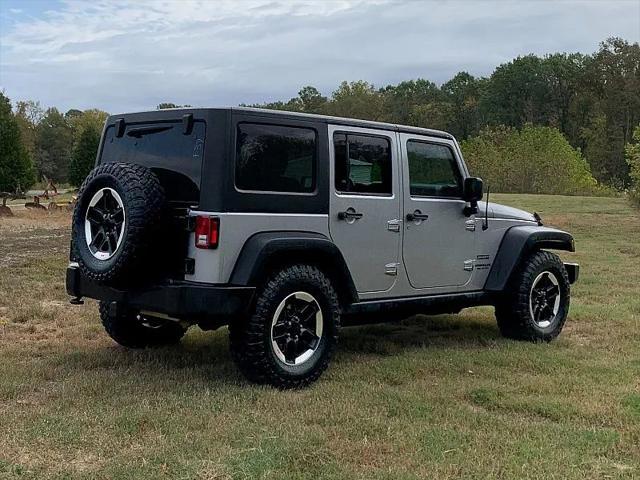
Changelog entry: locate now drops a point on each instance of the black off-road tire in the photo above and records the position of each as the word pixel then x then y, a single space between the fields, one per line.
pixel 250 337
pixel 513 310
pixel 128 330
pixel 144 206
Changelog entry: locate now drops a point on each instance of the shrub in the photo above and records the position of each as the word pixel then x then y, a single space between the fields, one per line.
pixel 632 155
pixel 531 160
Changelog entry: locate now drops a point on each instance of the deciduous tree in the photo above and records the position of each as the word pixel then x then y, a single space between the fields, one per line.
pixel 463 93
pixel 29 113
pixel 533 159
pixel 632 154
pixel 54 144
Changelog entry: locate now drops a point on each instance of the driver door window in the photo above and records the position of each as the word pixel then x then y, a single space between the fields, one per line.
pixel 433 171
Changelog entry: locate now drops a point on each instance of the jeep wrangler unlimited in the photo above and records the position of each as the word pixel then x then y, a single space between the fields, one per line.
pixel 283 226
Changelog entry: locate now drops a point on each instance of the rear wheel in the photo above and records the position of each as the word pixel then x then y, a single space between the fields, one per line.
pixel 289 339
pixel 536 303
pixel 133 329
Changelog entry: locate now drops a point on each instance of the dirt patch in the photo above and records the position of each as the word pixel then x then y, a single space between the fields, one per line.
pixel 34 219
pixel 5 211
pixel 28 235
pixel 631 250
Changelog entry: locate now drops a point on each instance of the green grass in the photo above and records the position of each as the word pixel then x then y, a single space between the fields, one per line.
pixel 430 397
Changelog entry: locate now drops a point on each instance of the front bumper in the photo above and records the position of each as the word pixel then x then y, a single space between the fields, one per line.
pixel 178 299
pixel 573 270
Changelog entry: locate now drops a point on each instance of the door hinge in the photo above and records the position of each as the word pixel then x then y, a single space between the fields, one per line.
pixel 470 225
pixel 394 225
pixel 391 269
pixel 468 265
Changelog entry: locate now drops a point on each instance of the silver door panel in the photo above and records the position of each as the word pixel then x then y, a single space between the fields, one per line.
pixel 439 252
pixel 369 244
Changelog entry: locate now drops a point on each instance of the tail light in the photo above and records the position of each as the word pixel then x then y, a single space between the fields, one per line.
pixel 207 232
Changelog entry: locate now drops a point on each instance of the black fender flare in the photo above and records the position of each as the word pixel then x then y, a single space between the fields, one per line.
pixel 516 244
pixel 264 251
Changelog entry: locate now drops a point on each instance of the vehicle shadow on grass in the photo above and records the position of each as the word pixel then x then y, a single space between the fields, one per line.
pixel 419 331
pixel 204 356
pixel 200 357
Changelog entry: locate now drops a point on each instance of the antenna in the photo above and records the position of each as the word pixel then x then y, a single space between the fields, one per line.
pixel 485 224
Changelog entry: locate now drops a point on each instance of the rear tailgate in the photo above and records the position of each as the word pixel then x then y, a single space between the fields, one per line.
pixel 172 149
pixel 171 144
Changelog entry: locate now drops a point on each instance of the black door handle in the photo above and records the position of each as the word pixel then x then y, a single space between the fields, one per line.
pixel 349 214
pixel 417 215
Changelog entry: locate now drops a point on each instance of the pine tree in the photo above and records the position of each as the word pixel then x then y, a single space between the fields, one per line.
pixel 84 155
pixel 16 170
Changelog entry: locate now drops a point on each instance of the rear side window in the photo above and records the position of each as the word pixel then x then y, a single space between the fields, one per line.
pixel 433 171
pixel 275 158
pixel 363 164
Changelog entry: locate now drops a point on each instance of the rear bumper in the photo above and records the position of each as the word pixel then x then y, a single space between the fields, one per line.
pixel 573 270
pixel 179 299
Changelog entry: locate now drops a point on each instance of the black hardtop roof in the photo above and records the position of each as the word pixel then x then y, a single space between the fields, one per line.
pixel 267 113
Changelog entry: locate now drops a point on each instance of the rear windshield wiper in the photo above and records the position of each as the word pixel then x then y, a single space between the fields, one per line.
pixel 139 132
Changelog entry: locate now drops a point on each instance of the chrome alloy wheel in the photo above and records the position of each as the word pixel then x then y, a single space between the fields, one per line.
pixel 104 223
pixel 544 299
pixel 296 329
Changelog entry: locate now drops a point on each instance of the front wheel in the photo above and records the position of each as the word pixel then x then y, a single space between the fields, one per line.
pixel 536 303
pixel 289 339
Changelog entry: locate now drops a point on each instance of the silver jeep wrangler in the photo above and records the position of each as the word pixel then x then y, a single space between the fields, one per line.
pixel 285 226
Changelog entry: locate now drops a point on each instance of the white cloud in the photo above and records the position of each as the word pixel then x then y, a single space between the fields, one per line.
pixel 130 55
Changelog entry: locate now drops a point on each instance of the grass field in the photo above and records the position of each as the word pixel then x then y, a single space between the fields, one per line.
pixel 430 397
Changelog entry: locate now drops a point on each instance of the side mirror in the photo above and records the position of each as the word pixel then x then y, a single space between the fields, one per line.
pixel 472 189
pixel 472 193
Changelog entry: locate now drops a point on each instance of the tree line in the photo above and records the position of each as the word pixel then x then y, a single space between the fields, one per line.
pixel 592 100
pixel 38 144
pixel 556 113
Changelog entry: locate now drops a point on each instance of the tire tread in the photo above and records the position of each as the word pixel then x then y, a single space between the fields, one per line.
pixel 512 313
pixel 248 336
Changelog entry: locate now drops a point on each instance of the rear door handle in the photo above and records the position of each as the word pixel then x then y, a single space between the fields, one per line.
pixel 417 216
pixel 349 214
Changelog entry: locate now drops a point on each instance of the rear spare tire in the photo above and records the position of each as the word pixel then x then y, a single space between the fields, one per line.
pixel 115 221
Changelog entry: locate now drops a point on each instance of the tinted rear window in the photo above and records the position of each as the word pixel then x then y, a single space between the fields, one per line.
pixel 174 157
pixel 275 158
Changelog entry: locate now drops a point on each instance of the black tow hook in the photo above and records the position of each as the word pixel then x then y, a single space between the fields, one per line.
pixel 76 301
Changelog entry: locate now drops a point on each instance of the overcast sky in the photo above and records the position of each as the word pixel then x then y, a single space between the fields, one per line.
pixel 129 55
